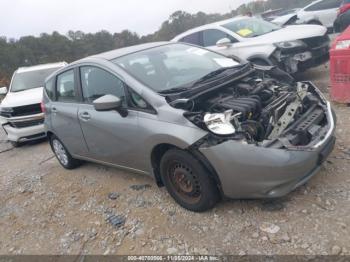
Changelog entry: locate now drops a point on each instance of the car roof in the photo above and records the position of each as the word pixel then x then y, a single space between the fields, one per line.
pixel 110 55
pixel 208 26
pixel 41 67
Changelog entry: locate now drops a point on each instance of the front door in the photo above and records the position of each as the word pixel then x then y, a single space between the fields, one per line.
pixel 110 137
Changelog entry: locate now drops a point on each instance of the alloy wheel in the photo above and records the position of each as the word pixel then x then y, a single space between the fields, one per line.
pixel 60 152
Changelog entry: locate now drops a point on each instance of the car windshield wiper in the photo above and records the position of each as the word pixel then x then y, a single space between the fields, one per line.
pixel 211 75
pixel 173 90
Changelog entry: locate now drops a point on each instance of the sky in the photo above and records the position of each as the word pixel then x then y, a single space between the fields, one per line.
pixel 32 17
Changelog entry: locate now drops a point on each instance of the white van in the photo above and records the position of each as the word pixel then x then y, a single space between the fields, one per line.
pixel 21 115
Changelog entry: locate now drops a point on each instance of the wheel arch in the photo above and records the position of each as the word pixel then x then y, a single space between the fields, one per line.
pixel 314 21
pixel 156 155
pixel 50 134
pixel 160 149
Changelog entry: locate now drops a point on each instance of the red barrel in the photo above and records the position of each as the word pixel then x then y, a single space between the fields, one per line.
pixel 340 68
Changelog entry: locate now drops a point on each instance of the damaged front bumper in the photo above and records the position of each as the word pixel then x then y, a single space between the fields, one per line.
pixel 302 59
pixel 248 171
pixel 24 128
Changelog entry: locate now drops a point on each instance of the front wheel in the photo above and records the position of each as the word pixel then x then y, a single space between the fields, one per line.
pixel 314 22
pixel 188 182
pixel 62 154
pixel 16 144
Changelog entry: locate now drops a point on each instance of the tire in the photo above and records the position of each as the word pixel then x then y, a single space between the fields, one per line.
pixel 62 154
pixel 16 144
pixel 188 182
pixel 314 22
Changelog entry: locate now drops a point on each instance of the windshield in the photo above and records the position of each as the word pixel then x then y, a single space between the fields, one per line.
pixel 251 27
pixel 171 66
pixel 31 79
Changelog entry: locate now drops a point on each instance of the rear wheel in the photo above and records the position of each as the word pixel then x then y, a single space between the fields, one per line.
pixel 314 22
pixel 62 154
pixel 188 182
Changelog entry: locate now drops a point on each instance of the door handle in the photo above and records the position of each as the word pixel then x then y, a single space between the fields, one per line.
pixel 85 116
pixel 54 110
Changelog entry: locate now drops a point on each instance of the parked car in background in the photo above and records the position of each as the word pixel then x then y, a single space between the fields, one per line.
pixel 340 68
pixel 343 18
pixel 21 115
pixel 203 125
pixel 293 48
pixel 320 12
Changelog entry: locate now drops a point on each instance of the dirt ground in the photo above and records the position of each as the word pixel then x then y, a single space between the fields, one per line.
pixel 45 209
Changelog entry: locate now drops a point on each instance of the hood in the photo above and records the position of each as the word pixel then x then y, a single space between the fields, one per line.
pixel 23 98
pixel 288 33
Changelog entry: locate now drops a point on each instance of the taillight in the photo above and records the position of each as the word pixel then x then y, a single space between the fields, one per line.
pixel 42 106
pixel 343 9
pixel 342 44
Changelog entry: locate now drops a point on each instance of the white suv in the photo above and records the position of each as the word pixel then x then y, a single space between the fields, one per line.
pixel 21 115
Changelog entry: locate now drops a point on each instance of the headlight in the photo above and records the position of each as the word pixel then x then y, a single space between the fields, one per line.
pixel 344 44
pixel 290 44
pixel 220 123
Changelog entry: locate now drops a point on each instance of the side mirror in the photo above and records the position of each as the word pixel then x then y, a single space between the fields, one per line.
pixel 108 103
pixel 224 42
pixel 3 90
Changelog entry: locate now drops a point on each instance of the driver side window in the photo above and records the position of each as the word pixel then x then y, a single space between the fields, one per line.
pixel 97 82
pixel 212 36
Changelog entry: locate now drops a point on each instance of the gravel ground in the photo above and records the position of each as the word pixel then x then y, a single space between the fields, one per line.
pixel 45 209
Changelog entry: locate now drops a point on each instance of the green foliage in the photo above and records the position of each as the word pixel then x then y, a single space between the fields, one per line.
pixel 46 48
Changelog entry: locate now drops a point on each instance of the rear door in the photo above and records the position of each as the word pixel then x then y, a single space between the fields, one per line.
pixel 110 137
pixel 64 113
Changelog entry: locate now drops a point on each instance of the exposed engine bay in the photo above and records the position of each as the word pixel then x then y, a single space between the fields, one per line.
pixel 259 109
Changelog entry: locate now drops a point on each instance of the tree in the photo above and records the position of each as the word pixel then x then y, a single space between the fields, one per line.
pixel 46 48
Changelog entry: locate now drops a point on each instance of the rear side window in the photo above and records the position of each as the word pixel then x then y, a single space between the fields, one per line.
pixel 50 88
pixel 194 39
pixel 97 82
pixel 323 5
pixel 65 87
pixel 212 36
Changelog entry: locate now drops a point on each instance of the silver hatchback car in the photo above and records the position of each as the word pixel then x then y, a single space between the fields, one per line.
pixel 205 126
